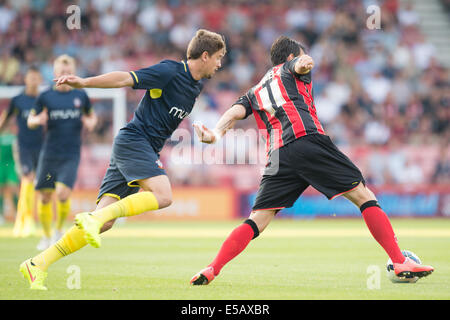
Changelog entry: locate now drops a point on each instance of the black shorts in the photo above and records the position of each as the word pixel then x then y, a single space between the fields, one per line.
pixel 52 170
pixel 310 160
pixel 132 159
pixel 28 158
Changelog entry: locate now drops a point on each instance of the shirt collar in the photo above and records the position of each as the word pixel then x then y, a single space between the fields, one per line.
pixel 186 69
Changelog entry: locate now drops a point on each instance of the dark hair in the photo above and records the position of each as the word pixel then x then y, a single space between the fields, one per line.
pixel 282 48
pixel 33 68
pixel 205 40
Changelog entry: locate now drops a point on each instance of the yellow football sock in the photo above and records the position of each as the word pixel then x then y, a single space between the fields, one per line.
pixel 130 206
pixel 63 210
pixel 19 223
pixel 21 204
pixel 45 213
pixel 21 210
pixel 70 242
pixel 29 199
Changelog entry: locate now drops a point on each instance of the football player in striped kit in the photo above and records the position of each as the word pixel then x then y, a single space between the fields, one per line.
pixel 300 154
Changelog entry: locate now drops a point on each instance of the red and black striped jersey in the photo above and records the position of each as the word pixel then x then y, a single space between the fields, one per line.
pixel 283 105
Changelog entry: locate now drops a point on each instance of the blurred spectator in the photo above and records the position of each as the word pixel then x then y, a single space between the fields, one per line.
pixel 7 15
pixel 298 15
pixel 110 22
pixel 377 87
pixel 155 16
pixel 376 132
pixel 423 52
pixel 9 66
pixel 181 33
pixel 407 16
pixel 381 89
pixel 441 173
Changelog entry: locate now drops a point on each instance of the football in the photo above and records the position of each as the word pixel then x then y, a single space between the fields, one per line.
pixel 390 269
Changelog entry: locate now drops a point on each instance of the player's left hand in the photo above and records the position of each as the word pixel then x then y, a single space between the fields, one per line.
pixel 204 134
pixel 71 80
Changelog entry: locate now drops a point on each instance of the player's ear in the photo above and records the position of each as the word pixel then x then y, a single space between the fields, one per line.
pixel 204 56
pixel 290 57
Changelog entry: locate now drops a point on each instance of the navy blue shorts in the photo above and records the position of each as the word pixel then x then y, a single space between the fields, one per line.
pixel 29 158
pixel 132 159
pixel 52 170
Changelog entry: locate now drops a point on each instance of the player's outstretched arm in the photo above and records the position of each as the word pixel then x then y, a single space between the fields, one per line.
pixel 304 64
pixel 225 123
pixel 6 115
pixel 3 120
pixel 115 79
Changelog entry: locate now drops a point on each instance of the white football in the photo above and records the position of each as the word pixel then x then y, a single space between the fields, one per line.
pixel 390 269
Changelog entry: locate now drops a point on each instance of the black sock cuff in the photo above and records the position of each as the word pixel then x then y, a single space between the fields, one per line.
pixel 252 224
pixel 368 204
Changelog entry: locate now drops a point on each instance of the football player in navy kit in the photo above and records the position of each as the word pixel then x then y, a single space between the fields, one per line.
pixel 64 110
pixel 29 146
pixel 171 88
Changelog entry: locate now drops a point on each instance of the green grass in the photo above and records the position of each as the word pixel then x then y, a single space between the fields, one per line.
pixel 310 259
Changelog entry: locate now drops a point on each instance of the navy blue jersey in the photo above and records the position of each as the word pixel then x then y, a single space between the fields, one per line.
pixel 63 138
pixel 21 106
pixel 170 96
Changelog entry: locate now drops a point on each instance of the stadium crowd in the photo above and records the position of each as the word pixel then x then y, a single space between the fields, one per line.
pixel 381 95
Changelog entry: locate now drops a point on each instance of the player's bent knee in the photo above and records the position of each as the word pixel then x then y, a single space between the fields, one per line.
pixel 63 194
pixel 371 194
pixel 360 195
pixel 366 195
pixel 254 227
pixel 45 197
pixel 164 200
pixel 63 197
pixel 28 177
pixel 262 218
pixel 107 225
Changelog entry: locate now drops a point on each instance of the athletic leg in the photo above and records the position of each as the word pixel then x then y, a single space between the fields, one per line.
pixel 45 188
pixel 157 194
pixel 28 204
pixel 241 236
pixel 63 202
pixel 20 215
pixel 280 187
pixel 45 215
pixel 71 241
pixel 380 227
pixel 35 269
pixel 376 220
pixel 236 242
pixel 25 225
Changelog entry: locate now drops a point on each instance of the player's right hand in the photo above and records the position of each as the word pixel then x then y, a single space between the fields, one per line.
pixel 304 64
pixel 204 134
pixel 71 80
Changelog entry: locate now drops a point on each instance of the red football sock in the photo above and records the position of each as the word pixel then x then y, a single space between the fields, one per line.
pixel 236 242
pixel 380 227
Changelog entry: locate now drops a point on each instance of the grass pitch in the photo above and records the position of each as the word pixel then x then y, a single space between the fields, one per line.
pixel 307 259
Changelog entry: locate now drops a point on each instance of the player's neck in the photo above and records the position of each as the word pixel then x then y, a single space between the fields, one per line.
pixel 195 69
pixel 32 91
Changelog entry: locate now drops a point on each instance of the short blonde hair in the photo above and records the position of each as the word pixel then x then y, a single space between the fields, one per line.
pixel 64 59
pixel 205 40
